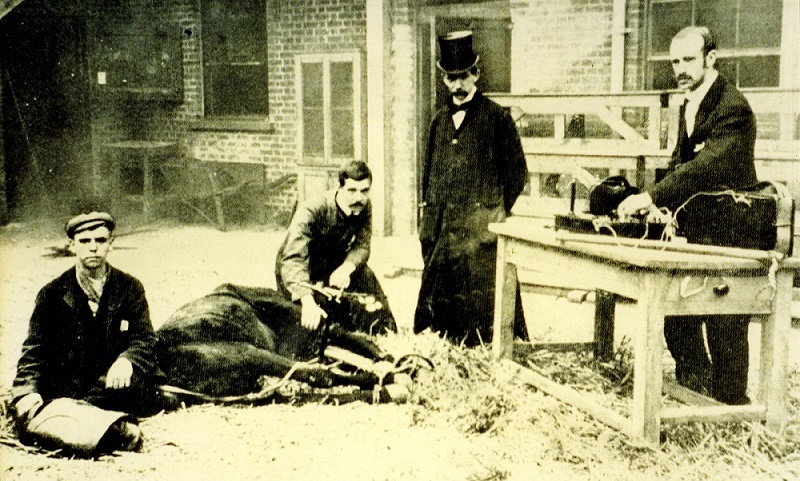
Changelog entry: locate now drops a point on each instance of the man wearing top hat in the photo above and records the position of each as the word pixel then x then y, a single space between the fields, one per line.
pixel 473 171
pixel 90 339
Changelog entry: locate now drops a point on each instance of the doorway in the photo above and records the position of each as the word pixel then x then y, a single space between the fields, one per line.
pixel 45 111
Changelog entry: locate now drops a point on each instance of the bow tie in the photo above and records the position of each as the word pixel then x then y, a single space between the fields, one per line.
pixel 453 108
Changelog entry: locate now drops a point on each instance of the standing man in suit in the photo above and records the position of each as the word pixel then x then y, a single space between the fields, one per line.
pixel 474 170
pixel 716 140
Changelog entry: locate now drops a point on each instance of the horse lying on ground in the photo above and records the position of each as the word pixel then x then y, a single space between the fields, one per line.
pixel 222 343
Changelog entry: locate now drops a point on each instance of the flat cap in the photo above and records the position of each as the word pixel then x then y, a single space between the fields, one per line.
pixel 92 220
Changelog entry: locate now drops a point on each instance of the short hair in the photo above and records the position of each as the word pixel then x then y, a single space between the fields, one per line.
pixel 356 170
pixel 709 42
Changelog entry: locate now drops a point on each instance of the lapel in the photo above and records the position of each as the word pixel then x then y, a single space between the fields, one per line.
pixel 72 291
pixel 707 105
pixel 112 293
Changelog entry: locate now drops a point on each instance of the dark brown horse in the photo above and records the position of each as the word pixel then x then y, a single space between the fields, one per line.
pixel 222 343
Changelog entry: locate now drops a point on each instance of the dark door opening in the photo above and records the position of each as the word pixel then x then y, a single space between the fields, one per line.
pixel 45 112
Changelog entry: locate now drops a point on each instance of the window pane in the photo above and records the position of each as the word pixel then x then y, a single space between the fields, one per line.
pixel 760 24
pixel 769 125
pixel 342 133
pixel 236 89
pixel 759 71
pixel 720 17
pixel 312 85
pixel 727 68
pixel 342 84
pixel 313 132
pixel 667 19
pixel 663 78
pixel 235 57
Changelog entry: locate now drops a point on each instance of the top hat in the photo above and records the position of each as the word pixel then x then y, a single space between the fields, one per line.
pixel 457 53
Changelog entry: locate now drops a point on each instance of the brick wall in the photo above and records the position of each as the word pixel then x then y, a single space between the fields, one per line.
pixel 293 27
pixel 565 46
pixel 560 46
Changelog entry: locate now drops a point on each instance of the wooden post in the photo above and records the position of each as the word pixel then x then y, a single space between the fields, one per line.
pixel 648 349
pixel 147 185
pixel 505 302
pixel 775 352
pixel 604 310
pixel 641 172
pixel 378 124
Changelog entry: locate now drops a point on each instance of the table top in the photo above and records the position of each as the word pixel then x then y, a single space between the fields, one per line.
pixel 640 254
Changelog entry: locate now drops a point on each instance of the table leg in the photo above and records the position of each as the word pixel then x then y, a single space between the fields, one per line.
pixel 775 353
pixel 505 300
pixel 648 375
pixel 604 310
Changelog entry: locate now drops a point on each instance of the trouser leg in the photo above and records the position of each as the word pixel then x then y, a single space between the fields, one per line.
pixel 729 347
pixel 684 336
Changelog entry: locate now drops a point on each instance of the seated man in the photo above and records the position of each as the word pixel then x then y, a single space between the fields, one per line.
pixel 328 242
pixel 89 354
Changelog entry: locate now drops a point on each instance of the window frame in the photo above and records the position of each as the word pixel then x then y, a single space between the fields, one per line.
pixel 327 159
pixel 238 122
pixel 723 52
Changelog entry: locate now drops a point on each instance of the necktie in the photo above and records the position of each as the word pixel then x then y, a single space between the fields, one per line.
pixel 690 114
pixel 453 108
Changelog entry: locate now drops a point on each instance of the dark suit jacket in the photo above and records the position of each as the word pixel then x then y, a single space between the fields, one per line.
pixel 320 237
pixel 67 350
pixel 718 154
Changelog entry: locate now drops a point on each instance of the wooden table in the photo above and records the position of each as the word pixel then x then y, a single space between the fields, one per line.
pixel 664 282
pixel 151 153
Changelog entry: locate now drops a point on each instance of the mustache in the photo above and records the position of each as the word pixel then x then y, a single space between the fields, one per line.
pixel 684 76
pixel 459 93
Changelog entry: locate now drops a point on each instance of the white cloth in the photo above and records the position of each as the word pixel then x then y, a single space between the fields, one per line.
pixel 694 97
pixel 93 288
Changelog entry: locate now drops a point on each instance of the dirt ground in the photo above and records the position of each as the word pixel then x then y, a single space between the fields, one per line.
pixel 525 435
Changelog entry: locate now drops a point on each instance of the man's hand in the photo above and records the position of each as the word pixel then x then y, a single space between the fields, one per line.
pixel 119 374
pixel 311 313
pixel 27 406
pixel 340 278
pixel 634 204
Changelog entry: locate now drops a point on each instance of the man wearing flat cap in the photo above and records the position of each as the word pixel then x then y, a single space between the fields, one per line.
pixel 90 339
pixel 473 171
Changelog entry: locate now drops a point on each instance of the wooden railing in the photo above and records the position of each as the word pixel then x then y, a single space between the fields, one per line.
pixel 633 134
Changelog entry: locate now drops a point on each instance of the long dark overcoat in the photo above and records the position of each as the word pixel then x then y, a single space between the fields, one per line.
pixel 471 177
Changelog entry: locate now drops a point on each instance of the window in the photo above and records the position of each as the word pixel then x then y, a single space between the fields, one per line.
pixel 748 37
pixel 329 108
pixel 235 58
